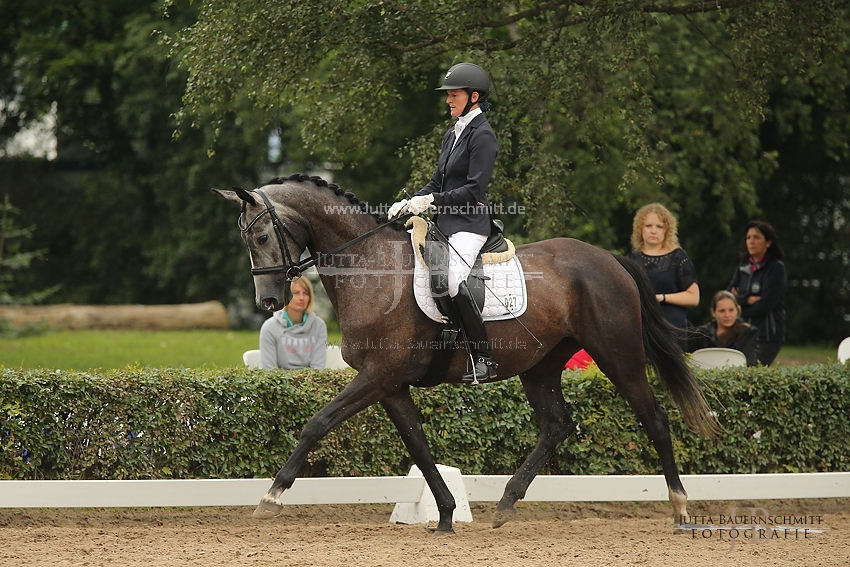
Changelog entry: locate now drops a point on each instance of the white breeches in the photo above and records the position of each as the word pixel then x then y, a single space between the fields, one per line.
pixel 463 248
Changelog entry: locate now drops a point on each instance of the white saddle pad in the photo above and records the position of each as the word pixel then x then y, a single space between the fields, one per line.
pixel 504 296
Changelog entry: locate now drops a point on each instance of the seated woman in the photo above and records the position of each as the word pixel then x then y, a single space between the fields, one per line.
pixel 726 329
pixel 294 337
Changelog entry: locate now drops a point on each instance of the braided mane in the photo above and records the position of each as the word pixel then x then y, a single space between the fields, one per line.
pixel 321 182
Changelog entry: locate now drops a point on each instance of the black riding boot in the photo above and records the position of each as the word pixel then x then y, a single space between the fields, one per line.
pixel 470 317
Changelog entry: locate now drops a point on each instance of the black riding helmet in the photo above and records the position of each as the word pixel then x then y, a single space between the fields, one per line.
pixel 469 77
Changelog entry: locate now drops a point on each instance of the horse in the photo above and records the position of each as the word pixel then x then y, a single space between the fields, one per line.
pixel 585 297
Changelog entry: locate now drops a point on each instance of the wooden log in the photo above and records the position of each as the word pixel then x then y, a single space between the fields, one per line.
pixel 206 315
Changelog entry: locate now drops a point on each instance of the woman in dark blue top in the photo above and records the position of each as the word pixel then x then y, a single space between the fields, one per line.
pixel 759 284
pixel 673 276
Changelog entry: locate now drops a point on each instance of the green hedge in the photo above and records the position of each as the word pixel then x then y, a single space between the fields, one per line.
pixel 176 423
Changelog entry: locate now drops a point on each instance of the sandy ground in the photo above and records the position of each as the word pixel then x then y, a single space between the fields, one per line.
pixel 542 534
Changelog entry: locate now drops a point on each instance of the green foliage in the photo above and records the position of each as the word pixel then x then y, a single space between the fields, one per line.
pixel 723 112
pixel 16 258
pixel 125 211
pixel 179 423
pixel 766 408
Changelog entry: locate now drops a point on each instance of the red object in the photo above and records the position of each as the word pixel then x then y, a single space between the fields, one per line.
pixel 579 361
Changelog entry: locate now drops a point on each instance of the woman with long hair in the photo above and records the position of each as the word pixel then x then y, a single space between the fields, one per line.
pixel 759 284
pixel 726 329
pixel 655 244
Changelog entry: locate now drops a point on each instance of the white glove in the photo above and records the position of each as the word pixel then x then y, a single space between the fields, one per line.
pixel 397 208
pixel 420 203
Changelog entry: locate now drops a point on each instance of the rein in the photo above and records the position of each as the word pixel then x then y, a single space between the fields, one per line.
pixel 291 269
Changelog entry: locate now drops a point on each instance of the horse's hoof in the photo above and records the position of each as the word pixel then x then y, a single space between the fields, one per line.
pixel 503 516
pixel 268 507
pixel 438 533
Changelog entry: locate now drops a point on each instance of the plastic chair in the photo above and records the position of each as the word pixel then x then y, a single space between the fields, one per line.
pixel 251 358
pixel 844 350
pixel 716 357
pixel 334 359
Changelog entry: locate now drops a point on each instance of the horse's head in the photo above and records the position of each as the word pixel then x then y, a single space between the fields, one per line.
pixel 271 244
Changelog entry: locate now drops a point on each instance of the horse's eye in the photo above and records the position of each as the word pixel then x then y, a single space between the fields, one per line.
pixel 263 239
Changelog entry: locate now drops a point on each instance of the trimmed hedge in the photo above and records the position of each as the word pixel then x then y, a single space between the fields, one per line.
pixel 188 423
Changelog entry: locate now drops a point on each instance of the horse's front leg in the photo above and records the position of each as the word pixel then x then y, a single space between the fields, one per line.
pixel 405 415
pixel 360 393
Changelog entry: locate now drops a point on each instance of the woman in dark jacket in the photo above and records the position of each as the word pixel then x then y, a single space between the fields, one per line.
pixel 759 284
pixel 457 193
pixel 726 329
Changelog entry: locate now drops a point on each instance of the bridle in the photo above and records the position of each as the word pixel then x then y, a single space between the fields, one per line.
pixel 290 268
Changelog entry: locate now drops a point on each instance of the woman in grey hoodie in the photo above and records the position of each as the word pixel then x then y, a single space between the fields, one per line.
pixel 294 337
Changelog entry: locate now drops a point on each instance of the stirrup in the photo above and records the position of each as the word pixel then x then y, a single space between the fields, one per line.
pixel 483 370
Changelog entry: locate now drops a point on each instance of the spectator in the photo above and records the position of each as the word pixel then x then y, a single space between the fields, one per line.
pixel 294 337
pixel 726 329
pixel 759 285
pixel 655 244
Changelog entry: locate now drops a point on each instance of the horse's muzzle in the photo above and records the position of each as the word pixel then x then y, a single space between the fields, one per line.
pixel 270 304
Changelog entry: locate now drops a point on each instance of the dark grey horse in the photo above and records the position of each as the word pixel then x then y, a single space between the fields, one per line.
pixel 586 298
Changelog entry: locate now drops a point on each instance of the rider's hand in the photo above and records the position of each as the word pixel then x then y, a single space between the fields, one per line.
pixel 420 203
pixel 397 208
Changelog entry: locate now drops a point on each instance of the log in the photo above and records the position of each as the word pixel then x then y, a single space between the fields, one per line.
pixel 205 315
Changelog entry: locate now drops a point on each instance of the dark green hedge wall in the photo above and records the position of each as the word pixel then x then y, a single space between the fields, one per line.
pixel 175 423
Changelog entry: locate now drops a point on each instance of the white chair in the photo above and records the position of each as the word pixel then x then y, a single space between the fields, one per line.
pixel 251 358
pixel 334 359
pixel 844 350
pixel 714 357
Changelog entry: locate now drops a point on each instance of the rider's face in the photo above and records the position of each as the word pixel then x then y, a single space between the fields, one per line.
pixel 457 99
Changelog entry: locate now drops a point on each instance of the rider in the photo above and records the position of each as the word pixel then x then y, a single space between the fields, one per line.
pixel 458 193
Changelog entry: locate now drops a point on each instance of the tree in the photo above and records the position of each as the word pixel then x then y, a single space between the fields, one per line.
pixel 125 212
pixel 600 106
pixel 579 87
pixel 15 257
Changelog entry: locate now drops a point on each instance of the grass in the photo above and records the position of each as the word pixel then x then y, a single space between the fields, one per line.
pixel 90 349
pixel 87 350
pixel 791 355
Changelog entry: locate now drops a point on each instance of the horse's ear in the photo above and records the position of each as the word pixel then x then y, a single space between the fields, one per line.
pixel 238 195
pixel 244 195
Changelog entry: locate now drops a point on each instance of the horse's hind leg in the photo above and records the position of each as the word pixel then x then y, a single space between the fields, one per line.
pixel 654 420
pixel 542 385
pixel 405 415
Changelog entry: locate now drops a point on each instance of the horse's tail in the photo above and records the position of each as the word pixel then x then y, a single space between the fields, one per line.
pixel 665 355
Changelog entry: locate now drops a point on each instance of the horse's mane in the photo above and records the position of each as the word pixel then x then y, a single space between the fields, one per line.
pixel 320 182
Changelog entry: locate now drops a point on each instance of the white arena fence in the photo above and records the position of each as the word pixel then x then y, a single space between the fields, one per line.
pixel 412 489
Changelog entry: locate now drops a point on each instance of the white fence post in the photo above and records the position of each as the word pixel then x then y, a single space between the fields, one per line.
pixel 425 509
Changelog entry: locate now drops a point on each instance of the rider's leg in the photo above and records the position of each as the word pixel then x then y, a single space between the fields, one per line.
pixel 463 248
